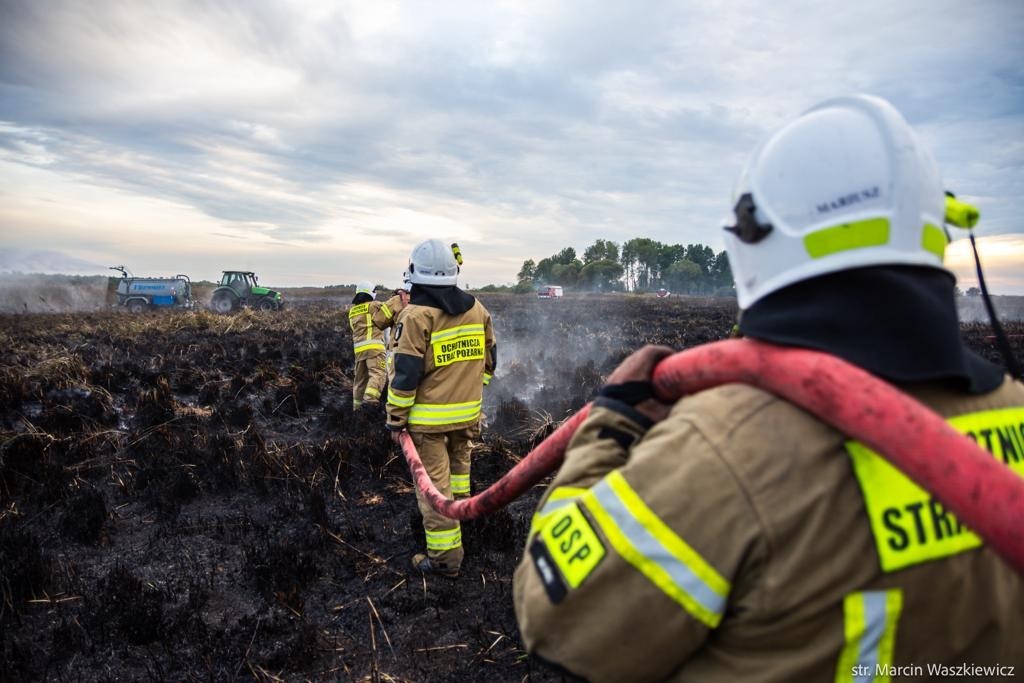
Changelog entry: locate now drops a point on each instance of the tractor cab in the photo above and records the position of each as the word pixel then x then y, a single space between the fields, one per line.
pixel 240 288
pixel 241 282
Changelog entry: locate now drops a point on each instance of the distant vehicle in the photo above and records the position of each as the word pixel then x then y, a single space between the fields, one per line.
pixel 139 294
pixel 549 292
pixel 240 288
pixel 663 293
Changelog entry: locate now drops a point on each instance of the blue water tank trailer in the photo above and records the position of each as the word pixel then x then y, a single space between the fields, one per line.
pixel 139 294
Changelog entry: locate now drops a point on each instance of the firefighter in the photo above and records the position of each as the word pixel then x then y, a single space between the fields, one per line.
pixel 445 352
pixel 734 537
pixel 367 318
pixel 397 303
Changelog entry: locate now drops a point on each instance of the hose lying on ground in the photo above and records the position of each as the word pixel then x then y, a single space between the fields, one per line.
pixel 984 494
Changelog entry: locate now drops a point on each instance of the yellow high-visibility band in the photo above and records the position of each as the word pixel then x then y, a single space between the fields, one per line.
pixel 367 345
pixel 557 499
pixel 400 401
pixel 448 539
pixel 460 483
pixel 873 232
pixel 933 239
pixel 459 331
pixel 444 413
pixel 870 620
pixel 647 543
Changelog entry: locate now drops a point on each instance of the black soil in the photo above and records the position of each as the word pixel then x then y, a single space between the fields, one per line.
pixel 190 497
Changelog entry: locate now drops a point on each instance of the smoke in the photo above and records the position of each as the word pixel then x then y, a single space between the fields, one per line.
pixel 36 293
pixel 14 260
pixel 971 309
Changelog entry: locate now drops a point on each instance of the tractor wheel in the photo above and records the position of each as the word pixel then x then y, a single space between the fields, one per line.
pixel 137 307
pixel 268 305
pixel 223 304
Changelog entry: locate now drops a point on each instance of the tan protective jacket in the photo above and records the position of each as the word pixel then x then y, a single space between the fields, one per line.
pixel 442 362
pixel 742 539
pixel 368 322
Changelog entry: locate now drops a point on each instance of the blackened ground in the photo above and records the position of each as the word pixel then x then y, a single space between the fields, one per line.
pixel 190 497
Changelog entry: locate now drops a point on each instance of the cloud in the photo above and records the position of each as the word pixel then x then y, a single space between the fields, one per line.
pixel 517 128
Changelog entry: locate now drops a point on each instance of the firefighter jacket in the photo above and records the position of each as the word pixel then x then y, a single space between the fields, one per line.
pixel 445 352
pixel 368 320
pixel 741 539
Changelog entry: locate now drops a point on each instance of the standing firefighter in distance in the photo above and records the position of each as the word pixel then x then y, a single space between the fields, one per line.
pixel 733 536
pixel 445 354
pixel 367 319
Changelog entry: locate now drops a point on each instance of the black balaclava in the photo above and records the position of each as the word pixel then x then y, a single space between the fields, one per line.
pixel 897 322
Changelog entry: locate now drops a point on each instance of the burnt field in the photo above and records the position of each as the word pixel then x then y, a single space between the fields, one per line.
pixel 190 497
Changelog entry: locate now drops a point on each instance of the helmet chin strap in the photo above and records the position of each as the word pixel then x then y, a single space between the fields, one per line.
pixel 963 215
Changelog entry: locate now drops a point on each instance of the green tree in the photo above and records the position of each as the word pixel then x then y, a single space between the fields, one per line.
pixel 721 273
pixel 601 276
pixel 565 257
pixel 683 276
pixel 528 271
pixel 601 250
pixel 640 261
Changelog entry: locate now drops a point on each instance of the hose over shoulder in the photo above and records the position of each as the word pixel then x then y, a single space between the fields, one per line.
pixel 982 492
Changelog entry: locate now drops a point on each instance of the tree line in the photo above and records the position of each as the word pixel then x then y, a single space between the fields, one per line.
pixel 640 264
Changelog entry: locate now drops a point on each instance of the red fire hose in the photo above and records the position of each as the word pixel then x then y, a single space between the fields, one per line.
pixel 982 492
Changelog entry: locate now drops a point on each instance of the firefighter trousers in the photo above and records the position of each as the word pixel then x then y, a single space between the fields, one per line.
pixel 370 378
pixel 446 457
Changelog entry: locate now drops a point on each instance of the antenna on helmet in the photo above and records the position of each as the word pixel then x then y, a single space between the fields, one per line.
pixel 963 215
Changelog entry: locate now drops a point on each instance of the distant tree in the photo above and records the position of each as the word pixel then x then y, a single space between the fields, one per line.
pixel 640 261
pixel 721 273
pixel 542 273
pixel 601 276
pixel 973 291
pixel 566 274
pixel 683 276
pixel 528 272
pixel 565 257
pixel 601 250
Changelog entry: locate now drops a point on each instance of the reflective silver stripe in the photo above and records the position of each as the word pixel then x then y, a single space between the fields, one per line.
pixel 460 331
pixel 460 483
pixel 552 505
pixel 444 540
pixel 870 620
pixel 652 550
pixel 874 627
pixel 400 401
pixel 444 413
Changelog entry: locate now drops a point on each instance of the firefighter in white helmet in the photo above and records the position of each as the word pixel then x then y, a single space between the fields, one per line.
pixel 733 536
pixel 368 318
pixel 445 353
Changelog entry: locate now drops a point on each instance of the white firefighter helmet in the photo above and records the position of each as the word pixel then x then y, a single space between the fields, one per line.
pixel 365 287
pixel 433 263
pixel 846 185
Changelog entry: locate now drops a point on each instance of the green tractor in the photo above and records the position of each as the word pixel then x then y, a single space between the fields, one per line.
pixel 240 288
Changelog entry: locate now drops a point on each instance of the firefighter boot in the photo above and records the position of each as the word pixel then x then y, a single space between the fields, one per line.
pixel 429 565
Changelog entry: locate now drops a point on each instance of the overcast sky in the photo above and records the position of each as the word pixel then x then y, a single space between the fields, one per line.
pixel 316 143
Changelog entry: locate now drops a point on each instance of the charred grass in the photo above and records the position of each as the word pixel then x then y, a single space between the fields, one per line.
pixel 191 497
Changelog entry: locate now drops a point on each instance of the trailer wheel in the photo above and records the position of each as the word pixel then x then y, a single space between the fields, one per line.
pixel 223 303
pixel 137 306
